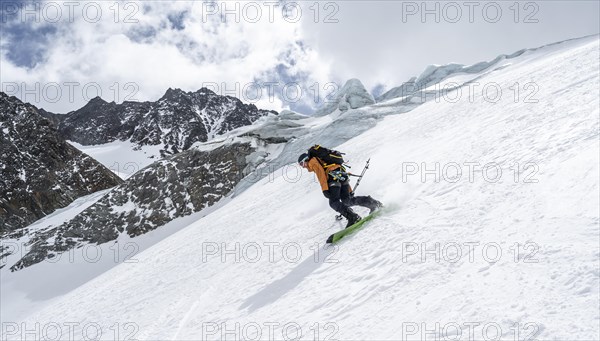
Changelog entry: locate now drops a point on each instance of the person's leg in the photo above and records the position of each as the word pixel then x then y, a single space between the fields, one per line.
pixel 336 203
pixel 348 198
pixel 334 198
pixel 368 202
pixel 346 195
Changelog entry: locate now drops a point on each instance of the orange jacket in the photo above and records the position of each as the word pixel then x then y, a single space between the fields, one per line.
pixel 315 166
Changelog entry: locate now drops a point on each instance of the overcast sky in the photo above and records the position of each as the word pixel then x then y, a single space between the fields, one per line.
pixel 58 55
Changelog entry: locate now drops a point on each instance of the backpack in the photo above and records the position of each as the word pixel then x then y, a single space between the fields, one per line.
pixel 327 157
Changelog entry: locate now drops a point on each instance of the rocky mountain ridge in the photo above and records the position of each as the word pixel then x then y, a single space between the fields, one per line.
pixel 176 121
pixel 40 171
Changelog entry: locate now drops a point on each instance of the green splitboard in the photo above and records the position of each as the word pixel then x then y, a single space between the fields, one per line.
pixel 349 230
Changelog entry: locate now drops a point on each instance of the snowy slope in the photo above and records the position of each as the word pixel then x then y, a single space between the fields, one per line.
pixel 30 289
pixel 124 158
pixel 257 268
pixel 19 304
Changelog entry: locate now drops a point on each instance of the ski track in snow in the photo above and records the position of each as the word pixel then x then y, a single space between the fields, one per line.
pixel 374 285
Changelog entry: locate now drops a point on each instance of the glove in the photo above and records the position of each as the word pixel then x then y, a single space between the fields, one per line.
pixel 326 194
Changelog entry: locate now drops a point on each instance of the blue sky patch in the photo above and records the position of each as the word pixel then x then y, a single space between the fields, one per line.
pixel 177 20
pixel 25 45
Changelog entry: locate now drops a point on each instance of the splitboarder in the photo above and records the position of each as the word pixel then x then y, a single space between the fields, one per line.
pixel 335 182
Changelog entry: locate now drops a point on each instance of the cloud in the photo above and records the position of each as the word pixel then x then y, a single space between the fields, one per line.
pixel 388 42
pixel 136 50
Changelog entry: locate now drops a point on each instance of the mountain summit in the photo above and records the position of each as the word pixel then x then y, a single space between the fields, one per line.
pixel 173 123
pixel 352 95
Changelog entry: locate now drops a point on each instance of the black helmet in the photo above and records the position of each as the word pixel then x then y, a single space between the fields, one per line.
pixel 303 158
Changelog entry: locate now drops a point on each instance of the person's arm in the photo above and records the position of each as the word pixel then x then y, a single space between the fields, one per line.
pixel 315 166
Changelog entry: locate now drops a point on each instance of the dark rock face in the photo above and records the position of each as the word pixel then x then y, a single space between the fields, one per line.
pixel 177 120
pixel 174 187
pixel 40 172
pixel 101 122
pixel 55 119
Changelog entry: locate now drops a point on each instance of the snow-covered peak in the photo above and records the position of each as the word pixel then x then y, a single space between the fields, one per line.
pixel 291 115
pixel 352 95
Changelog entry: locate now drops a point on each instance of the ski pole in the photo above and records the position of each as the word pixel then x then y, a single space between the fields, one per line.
pixel 361 175
pixel 339 216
